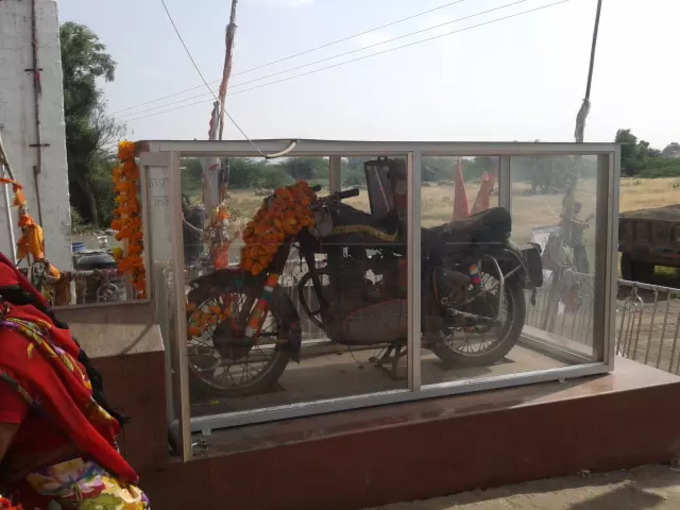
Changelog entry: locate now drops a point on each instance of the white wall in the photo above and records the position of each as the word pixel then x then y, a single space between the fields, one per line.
pixel 17 122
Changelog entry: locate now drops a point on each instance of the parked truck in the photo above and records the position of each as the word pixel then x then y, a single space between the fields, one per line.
pixel 648 238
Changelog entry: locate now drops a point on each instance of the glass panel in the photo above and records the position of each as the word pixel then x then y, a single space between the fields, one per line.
pixel 264 330
pixel 554 204
pixel 479 272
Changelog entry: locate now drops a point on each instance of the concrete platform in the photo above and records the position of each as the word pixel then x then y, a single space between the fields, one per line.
pixel 435 447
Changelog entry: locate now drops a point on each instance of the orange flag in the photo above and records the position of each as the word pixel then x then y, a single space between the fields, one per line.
pixel 482 200
pixel 460 201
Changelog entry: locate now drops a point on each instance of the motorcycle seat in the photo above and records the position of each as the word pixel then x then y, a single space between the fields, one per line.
pixel 491 226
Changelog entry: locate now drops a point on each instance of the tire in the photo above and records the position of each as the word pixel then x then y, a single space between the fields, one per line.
pixel 510 333
pixel 636 270
pixel 203 384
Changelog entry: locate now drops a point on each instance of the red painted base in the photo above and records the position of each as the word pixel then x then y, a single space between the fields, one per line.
pixel 435 447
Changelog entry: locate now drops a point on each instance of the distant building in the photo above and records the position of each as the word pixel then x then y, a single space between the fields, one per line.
pixel 22 124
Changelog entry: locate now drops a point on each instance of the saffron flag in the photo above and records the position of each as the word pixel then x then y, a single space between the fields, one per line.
pixel 460 201
pixel 482 200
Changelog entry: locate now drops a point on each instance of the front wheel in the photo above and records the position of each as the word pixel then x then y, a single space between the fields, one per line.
pixel 479 344
pixel 222 362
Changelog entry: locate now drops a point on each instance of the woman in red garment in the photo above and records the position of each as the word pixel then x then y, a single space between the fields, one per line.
pixel 57 440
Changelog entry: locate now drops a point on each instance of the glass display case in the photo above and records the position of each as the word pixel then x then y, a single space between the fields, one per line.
pixel 341 274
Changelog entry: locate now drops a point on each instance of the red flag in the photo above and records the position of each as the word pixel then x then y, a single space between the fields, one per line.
pixel 482 200
pixel 460 201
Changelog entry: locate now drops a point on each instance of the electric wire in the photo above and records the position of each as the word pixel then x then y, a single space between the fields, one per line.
pixel 341 54
pixel 363 57
pixel 303 52
pixel 198 70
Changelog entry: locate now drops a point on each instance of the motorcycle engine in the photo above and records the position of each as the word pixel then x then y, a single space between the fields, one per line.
pixel 362 294
pixel 450 287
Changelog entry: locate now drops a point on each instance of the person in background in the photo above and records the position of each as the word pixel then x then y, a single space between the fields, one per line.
pixel 57 433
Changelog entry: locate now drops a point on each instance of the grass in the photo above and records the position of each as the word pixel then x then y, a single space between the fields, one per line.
pixel 646 193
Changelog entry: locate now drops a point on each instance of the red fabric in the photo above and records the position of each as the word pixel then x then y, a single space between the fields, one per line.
pixel 36 435
pixel 13 408
pixel 53 377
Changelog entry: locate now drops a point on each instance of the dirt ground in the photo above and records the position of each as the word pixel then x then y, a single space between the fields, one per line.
pixel 647 487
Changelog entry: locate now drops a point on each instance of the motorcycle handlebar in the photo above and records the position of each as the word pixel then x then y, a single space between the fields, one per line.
pixel 354 192
pixel 337 196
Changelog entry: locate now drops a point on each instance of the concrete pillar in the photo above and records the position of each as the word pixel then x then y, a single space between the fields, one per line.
pixel 17 121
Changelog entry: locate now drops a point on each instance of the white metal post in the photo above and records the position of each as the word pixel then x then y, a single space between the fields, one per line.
pixel 612 162
pixel 414 161
pixel 334 174
pixel 504 183
pixel 175 203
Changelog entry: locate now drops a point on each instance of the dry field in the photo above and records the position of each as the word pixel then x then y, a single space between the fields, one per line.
pixel 529 210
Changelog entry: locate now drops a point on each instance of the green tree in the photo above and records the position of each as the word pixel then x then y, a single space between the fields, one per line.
pixel 635 154
pixel 629 160
pixel 304 168
pixel 672 150
pixel 89 131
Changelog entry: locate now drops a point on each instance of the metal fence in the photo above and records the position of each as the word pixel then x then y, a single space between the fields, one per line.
pixel 648 320
pixel 647 317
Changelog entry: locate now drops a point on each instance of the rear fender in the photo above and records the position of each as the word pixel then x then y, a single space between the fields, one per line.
pixel 213 283
pixel 523 263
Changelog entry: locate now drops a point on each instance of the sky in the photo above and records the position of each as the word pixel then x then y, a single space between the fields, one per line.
pixel 522 78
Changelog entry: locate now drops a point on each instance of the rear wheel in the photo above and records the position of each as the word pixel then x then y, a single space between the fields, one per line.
pixel 484 344
pixel 224 362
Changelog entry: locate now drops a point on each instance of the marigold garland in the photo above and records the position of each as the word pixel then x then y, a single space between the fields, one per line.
pixel 32 240
pixel 127 219
pixel 218 237
pixel 201 319
pixel 284 214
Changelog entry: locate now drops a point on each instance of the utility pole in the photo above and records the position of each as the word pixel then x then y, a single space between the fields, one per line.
pixel 214 179
pixel 226 72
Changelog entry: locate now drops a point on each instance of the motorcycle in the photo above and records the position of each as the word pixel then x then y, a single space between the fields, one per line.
pixel 243 329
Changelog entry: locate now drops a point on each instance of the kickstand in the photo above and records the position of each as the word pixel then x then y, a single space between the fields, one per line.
pixel 392 355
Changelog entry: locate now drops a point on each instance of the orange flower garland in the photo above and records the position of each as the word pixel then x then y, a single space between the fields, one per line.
pixel 284 214
pixel 201 319
pixel 32 241
pixel 127 220
pixel 217 235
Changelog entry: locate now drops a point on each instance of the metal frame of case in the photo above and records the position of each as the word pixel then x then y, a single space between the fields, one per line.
pixel 160 161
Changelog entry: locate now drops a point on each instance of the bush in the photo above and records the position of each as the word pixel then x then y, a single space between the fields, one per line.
pixel 664 171
pixel 661 167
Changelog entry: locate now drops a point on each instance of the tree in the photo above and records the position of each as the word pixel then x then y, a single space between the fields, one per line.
pixel 628 143
pixel 89 131
pixel 304 168
pixel 672 150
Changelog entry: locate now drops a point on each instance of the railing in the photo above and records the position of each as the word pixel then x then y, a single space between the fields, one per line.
pixel 647 317
pixel 88 286
pixel 648 324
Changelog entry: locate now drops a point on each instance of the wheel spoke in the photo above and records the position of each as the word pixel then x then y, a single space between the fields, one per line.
pixel 481 339
pixel 231 365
